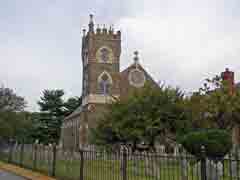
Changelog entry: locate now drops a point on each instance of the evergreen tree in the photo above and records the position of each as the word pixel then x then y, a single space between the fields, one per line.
pixel 72 104
pixel 51 116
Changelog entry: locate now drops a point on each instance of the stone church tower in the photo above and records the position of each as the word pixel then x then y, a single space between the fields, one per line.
pixel 102 82
pixel 100 59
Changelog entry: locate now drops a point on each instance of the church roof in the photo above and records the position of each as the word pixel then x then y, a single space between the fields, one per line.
pixel 74 113
pixel 125 87
pixel 135 65
pixel 238 85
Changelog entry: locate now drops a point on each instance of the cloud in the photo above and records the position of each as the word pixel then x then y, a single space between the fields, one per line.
pixel 187 43
pixel 180 42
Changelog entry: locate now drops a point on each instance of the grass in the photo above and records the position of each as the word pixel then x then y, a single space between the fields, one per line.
pixel 110 170
pixel 106 168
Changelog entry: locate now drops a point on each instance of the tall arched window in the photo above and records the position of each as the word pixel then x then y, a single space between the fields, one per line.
pixel 105 82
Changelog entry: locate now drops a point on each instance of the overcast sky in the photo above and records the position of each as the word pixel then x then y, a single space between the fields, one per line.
pixel 181 42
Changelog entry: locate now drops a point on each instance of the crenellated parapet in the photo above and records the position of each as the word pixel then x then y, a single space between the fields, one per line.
pixel 109 33
pixel 101 32
pixel 96 36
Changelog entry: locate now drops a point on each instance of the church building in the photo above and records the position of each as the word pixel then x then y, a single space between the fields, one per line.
pixel 102 81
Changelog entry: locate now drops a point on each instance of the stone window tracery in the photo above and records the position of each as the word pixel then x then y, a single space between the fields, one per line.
pixel 104 82
pixel 137 78
pixel 104 55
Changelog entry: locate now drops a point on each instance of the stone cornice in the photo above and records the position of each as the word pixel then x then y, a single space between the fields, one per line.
pixel 98 99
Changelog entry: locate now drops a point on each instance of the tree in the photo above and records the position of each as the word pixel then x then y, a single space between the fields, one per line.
pixel 217 142
pixel 9 101
pixel 23 127
pixel 7 123
pixel 34 132
pixel 147 116
pixel 52 113
pixel 16 126
pixel 72 104
pixel 215 105
pixel 12 117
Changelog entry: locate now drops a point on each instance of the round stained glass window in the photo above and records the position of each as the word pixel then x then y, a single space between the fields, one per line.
pixel 104 55
pixel 137 78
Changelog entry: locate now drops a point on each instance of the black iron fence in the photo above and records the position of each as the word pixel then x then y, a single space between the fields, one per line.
pixel 121 165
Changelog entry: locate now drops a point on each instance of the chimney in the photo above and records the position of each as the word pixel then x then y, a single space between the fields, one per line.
pixel 229 77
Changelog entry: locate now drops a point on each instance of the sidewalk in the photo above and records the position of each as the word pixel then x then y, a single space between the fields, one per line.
pixel 10 176
pixel 28 174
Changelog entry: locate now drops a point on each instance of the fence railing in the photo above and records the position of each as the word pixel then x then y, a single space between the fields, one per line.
pixel 121 165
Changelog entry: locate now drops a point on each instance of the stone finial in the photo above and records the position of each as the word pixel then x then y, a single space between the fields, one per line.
pixel 136 58
pixel 111 29
pixel 84 32
pixel 98 29
pixel 91 24
pixel 104 29
pixel 91 18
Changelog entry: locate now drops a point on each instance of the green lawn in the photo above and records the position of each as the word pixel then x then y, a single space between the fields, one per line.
pixel 110 170
pixel 102 168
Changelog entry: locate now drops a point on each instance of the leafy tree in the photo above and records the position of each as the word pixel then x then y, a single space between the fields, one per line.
pixel 217 143
pixel 9 101
pixel 7 123
pixel 147 116
pixel 13 119
pixel 16 126
pixel 52 113
pixel 215 105
pixel 24 127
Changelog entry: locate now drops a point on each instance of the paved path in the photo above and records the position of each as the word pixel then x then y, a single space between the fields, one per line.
pixel 8 176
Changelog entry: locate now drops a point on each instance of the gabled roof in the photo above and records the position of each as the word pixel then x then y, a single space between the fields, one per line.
pixel 123 77
pixel 138 65
pixel 74 113
pixel 238 85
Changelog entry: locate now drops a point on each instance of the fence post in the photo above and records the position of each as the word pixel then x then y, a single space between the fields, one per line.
pixel 124 170
pixel 21 155
pixel 183 164
pixel 10 153
pixel 81 164
pixel 54 160
pixel 203 164
pixel 237 160
pixel 35 156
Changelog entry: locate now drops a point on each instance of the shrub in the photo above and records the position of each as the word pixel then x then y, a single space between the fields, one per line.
pixel 217 142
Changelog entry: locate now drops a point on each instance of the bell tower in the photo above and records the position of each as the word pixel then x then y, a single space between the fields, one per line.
pixel 101 49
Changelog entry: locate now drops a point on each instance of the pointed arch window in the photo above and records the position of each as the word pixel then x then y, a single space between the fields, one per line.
pixel 105 82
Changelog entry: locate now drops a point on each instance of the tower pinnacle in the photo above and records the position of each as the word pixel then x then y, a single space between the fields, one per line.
pixel 91 23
